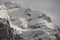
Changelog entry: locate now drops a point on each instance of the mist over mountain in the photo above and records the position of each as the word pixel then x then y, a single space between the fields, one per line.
pixel 49 7
pixel 29 24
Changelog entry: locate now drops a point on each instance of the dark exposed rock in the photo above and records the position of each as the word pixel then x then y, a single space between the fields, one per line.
pixel 5 30
pixel 17 37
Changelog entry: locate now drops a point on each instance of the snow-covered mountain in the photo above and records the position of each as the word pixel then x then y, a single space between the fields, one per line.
pixel 27 23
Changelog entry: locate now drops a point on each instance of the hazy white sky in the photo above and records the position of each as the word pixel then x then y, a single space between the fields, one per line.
pixel 50 7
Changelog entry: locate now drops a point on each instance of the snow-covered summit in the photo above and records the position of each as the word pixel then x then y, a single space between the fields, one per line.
pixel 12 4
pixel 25 20
pixel 32 17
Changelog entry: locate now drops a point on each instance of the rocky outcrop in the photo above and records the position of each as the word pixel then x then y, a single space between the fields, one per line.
pixel 5 30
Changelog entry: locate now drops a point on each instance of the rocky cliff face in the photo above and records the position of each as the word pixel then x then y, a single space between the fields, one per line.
pixel 5 30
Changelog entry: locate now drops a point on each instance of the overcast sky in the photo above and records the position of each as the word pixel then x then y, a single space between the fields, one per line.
pixel 50 7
